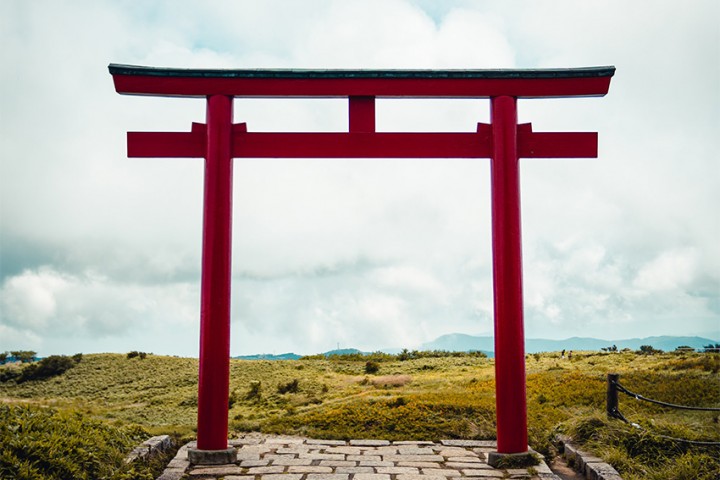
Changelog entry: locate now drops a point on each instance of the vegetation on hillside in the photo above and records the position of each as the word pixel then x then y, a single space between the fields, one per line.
pixel 45 368
pixel 45 444
pixel 24 356
pixel 418 396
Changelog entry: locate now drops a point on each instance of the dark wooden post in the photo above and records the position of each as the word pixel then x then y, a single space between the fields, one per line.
pixel 612 395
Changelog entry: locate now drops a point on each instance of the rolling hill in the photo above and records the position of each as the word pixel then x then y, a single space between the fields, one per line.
pixel 461 342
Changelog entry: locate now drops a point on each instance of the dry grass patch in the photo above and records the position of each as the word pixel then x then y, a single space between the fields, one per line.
pixel 391 381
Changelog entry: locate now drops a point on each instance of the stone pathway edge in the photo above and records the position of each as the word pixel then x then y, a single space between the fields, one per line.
pixel 587 464
pixel 270 457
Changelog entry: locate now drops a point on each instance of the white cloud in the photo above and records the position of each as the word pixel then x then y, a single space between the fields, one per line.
pixel 29 300
pixel 50 309
pixel 670 271
pixel 411 279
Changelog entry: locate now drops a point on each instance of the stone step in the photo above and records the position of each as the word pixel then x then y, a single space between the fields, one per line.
pixel 270 457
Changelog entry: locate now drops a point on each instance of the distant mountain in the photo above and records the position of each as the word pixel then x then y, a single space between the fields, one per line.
pixel 267 356
pixel 344 351
pixel 458 342
pixel 295 356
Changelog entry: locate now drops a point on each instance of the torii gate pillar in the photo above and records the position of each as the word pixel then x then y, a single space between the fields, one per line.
pixel 219 141
pixel 214 368
pixel 510 398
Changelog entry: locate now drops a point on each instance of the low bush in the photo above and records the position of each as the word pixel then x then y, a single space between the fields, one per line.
pixel 45 444
pixel 290 387
pixel 406 354
pixel 46 368
pixel 24 356
pixel 648 350
pixel 9 373
pixel 255 392
pixel 232 399
pixel 371 367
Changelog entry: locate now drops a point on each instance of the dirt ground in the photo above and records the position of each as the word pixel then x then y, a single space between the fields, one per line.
pixel 562 470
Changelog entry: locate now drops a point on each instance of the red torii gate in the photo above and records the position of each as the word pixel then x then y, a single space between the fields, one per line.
pixel 219 141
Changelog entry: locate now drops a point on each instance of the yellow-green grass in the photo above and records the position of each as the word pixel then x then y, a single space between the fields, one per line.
pixel 39 443
pixel 423 399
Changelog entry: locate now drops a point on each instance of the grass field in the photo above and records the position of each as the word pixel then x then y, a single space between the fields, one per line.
pixel 424 398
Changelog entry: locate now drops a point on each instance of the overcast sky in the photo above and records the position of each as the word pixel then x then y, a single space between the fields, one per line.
pixel 102 253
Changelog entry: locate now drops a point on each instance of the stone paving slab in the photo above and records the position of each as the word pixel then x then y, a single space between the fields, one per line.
pixel 268 457
pixel 586 464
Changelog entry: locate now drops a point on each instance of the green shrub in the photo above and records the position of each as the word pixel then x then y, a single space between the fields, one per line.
pixel 25 356
pixel 255 392
pixel 232 399
pixel 46 368
pixel 404 355
pixel 135 353
pixel 371 367
pixel 648 350
pixel 290 387
pixel 8 373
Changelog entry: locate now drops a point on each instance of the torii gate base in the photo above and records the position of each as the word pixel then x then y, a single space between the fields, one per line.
pixel 504 142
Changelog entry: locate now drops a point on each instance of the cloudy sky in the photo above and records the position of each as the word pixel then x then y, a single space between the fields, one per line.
pixel 102 253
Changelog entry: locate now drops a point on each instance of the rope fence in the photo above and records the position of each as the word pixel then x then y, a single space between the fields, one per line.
pixel 613 411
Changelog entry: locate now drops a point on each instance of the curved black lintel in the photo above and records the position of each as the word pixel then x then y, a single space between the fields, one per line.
pixel 504 73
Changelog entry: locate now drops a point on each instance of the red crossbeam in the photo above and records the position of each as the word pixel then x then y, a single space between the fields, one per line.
pixel 377 87
pixel 362 145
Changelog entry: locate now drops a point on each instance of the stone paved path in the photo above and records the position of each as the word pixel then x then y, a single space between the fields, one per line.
pixel 264 457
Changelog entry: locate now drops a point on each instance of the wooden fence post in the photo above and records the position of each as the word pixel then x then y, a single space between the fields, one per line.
pixel 612 395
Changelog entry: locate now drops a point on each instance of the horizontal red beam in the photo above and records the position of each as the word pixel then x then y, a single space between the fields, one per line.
pixel 558 145
pixel 165 145
pixel 383 87
pixel 363 145
pixel 559 82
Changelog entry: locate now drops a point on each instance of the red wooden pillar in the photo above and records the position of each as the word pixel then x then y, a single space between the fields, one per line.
pixel 510 400
pixel 214 375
